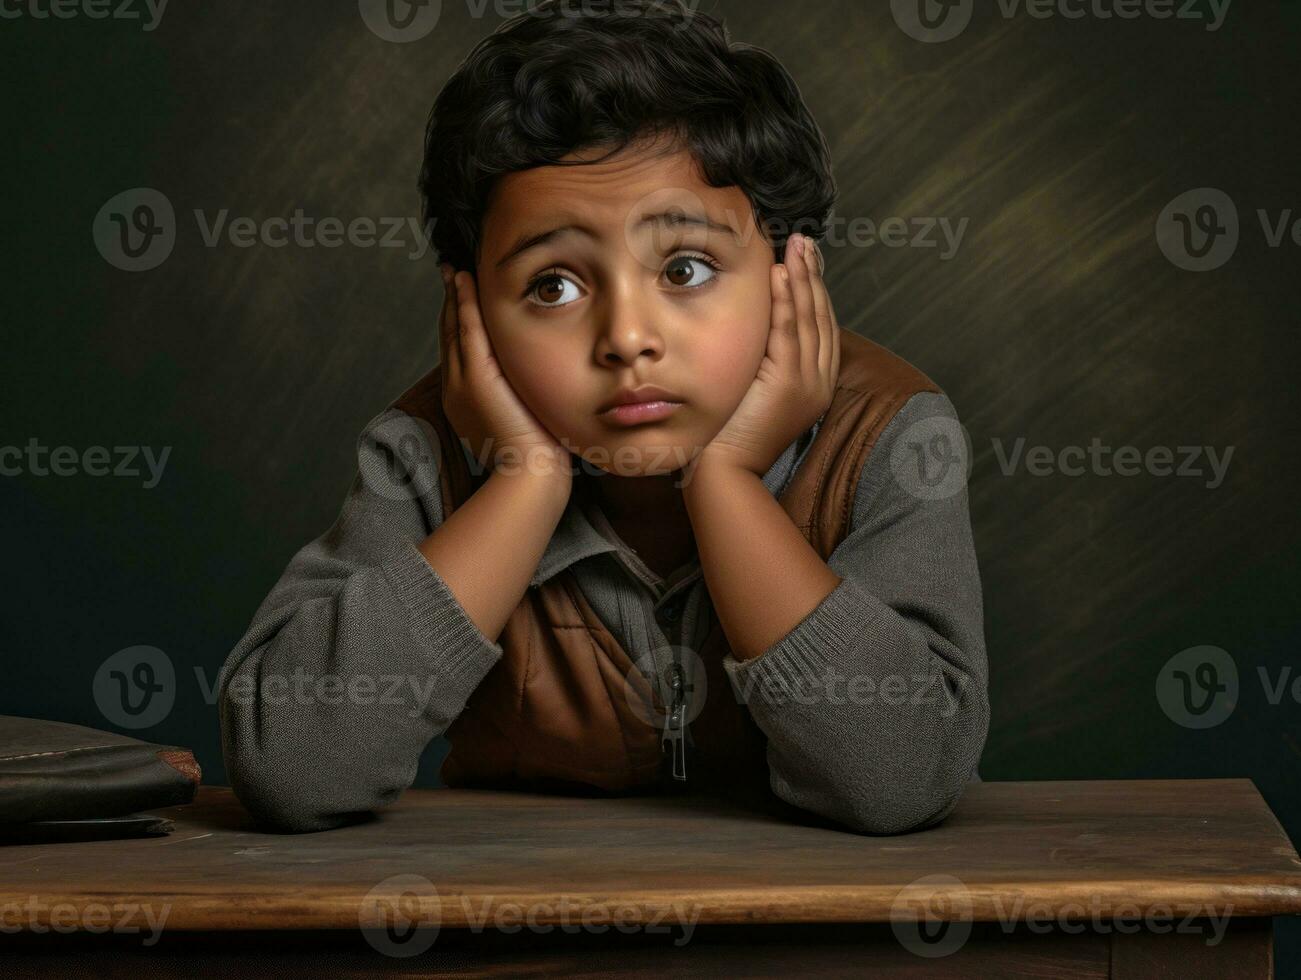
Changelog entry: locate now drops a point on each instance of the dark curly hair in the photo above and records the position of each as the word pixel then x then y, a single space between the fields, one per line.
pixel 556 80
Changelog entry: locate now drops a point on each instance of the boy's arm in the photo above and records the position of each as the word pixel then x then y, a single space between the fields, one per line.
pixel 362 653
pixel 873 688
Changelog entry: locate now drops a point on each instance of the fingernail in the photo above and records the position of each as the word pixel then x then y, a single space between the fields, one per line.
pixel 799 244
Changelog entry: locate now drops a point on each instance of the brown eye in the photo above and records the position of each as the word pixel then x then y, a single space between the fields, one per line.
pixel 551 289
pixel 682 269
pixel 679 272
pixel 548 290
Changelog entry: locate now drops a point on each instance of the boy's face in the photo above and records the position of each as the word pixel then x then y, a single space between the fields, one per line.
pixel 617 302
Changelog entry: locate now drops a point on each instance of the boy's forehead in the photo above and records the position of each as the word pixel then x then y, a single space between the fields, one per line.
pixel 607 193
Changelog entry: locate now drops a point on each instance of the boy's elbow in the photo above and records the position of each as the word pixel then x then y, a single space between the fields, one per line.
pixel 296 789
pixel 916 797
pixel 901 812
pixel 899 800
pixel 292 803
pixel 292 816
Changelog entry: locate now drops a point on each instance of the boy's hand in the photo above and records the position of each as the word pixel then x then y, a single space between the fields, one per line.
pixel 478 400
pixel 797 377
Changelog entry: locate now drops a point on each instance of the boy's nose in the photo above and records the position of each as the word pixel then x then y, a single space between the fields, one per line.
pixel 625 347
pixel 627 334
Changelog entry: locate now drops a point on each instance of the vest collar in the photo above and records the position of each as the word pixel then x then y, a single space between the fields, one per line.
pixel 575 539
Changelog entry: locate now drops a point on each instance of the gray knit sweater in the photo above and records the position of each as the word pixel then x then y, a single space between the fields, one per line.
pixel 874 706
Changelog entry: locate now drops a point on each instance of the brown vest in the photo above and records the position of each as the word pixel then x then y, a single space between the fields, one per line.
pixel 554 715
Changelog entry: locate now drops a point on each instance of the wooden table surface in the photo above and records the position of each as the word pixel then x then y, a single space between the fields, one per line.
pixel 1182 846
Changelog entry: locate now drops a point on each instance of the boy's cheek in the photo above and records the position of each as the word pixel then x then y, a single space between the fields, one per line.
pixel 727 366
pixel 542 373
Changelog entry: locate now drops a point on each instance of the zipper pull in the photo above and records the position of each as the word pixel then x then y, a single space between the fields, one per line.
pixel 674 740
pixel 675 728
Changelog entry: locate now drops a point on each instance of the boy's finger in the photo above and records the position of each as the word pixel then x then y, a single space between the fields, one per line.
pixel 823 312
pixel 471 337
pixel 783 342
pixel 444 312
pixel 835 354
pixel 805 314
pixel 449 350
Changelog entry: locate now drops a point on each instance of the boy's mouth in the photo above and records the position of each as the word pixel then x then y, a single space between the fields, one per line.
pixel 639 412
pixel 640 395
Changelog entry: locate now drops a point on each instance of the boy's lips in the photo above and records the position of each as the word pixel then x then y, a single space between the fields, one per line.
pixel 638 412
pixel 638 395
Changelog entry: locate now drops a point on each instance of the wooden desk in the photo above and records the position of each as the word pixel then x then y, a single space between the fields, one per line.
pixel 1043 879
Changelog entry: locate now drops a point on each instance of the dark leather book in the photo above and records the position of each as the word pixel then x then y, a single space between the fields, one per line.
pixel 61 781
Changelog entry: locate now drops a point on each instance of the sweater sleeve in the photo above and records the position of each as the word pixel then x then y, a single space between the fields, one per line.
pixel 875 705
pixel 358 657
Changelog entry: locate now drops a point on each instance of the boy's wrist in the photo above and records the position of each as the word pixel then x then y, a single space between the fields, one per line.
pixel 706 467
pixel 551 477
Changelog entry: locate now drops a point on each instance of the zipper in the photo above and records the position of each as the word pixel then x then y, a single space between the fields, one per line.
pixel 677 735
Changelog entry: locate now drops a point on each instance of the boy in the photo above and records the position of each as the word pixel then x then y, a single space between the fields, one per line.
pixel 655 520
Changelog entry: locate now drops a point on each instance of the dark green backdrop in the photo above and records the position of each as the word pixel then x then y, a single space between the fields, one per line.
pixel 1057 320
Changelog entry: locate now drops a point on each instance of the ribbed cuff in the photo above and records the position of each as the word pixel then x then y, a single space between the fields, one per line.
pixel 816 649
pixel 457 650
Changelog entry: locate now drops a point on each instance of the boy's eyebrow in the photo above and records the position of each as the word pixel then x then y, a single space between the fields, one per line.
pixel 671 217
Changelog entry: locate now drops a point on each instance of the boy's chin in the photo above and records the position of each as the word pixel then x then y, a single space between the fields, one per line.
pixel 633 461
